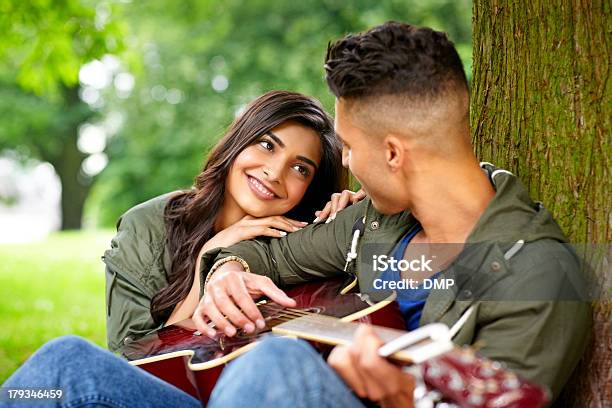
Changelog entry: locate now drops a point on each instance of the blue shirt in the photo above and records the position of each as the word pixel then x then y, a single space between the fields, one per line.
pixel 410 301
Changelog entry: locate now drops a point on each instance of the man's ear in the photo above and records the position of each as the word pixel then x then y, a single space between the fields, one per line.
pixel 395 154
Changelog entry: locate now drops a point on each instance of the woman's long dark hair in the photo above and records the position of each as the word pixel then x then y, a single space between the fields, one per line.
pixel 190 215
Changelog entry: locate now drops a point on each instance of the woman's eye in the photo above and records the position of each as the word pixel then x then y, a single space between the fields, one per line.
pixel 302 170
pixel 266 145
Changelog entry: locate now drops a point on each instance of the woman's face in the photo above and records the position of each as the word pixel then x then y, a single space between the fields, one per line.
pixel 271 176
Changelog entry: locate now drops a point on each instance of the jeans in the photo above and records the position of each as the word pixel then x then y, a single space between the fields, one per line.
pixel 91 377
pixel 279 372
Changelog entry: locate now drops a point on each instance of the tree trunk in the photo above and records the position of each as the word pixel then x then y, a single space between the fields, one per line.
pixel 541 109
pixel 75 186
pixel 67 161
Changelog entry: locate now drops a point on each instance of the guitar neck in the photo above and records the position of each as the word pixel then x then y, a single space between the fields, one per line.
pixel 457 373
pixel 332 331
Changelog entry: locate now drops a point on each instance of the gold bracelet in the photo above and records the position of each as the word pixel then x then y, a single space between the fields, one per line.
pixel 222 261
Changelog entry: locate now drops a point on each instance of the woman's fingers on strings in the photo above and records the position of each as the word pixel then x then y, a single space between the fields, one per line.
pixel 232 316
pixel 201 324
pixel 265 286
pixel 210 311
pixel 240 294
pixel 370 388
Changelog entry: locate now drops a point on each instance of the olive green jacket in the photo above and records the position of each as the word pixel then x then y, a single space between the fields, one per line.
pixel 513 271
pixel 137 267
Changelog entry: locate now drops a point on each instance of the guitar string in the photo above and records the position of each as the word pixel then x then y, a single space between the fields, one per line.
pixel 292 313
pixel 288 312
pixel 286 316
pixel 276 307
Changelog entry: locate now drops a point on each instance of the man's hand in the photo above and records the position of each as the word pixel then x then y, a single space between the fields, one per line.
pixel 228 300
pixel 369 375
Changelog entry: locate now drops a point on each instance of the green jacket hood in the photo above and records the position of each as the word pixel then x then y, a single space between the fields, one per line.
pixel 512 215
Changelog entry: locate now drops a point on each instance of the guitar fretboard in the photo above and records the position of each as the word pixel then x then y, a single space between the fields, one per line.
pixel 330 330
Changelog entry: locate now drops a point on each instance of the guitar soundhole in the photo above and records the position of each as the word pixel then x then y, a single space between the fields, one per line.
pixel 315 310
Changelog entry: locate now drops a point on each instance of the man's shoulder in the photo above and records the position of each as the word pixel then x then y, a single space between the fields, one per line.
pixel 547 269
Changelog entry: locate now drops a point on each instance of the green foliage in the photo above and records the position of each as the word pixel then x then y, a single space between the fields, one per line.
pixel 46 42
pixel 49 289
pixel 174 50
pixel 258 46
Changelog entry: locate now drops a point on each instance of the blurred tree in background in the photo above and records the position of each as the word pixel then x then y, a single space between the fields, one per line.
pixel 44 44
pixel 180 73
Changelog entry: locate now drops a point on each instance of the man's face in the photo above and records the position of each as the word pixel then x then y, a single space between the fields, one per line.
pixel 365 157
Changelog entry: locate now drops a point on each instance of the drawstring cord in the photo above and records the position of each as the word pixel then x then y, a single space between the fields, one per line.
pixel 357 231
pixel 515 248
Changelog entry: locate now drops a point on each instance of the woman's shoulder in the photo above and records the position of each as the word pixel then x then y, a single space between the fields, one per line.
pixel 146 216
pixel 138 247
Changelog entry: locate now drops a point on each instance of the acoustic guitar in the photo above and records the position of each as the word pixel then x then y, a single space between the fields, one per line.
pixel 326 315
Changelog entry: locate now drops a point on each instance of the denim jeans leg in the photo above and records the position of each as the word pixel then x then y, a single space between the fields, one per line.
pixel 91 377
pixel 281 372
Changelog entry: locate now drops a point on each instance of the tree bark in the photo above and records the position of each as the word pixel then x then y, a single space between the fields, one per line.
pixel 67 160
pixel 541 108
pixel 75 186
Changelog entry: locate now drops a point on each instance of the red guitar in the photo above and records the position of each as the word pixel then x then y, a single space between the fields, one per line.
pixel 181 356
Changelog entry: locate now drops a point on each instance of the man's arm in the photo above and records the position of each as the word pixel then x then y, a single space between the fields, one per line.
pixel 316 251
pixel 542 329
pixel 541 341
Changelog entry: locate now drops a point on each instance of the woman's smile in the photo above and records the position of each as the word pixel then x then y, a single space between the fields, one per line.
pixel 259 189
pixel 277 168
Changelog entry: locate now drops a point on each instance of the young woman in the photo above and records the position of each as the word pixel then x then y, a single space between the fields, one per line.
pixel 277 163
pixel 280 157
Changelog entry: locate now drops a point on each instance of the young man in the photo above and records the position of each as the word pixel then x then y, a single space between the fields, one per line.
pixel 402 112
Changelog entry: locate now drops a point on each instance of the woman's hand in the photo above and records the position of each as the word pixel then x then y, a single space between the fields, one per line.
pixel 338 202
pixel 250 227
pixel 247 228
pixel 228 301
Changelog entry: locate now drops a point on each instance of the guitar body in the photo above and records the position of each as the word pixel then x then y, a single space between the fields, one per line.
pixel 180 356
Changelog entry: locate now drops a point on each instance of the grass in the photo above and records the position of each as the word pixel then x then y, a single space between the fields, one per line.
pixel 49 289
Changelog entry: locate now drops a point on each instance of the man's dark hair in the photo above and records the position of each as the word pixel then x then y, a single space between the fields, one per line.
pixel 394 58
